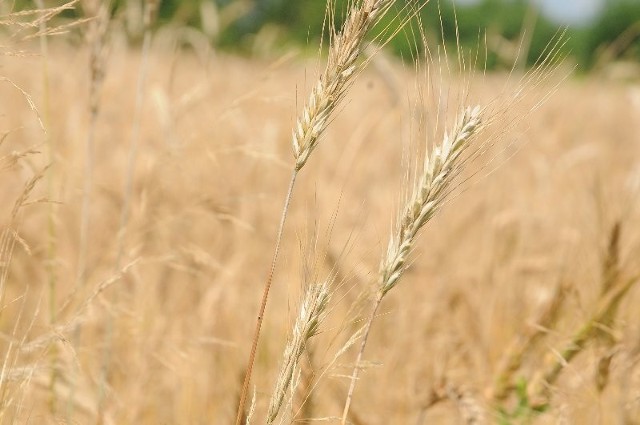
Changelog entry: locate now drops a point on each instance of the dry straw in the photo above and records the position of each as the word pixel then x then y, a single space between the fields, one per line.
pixel 97 63
pixel 150 9
pixel 614 287
pixel 29 24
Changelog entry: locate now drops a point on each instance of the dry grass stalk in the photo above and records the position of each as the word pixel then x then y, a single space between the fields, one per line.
pixel 97 64
pixel 150 10
pixel 151 7
pixel 43 33
pixel 607 305
pixel 306 326
pixel 22 26
pixel 29 24
pixel 9 236
pixel 441 168
pixel 344 50
pixel 37 19
pixel 611 270
pixel 28 98
pixel 598 327
pixel 524 343
pixel 9 363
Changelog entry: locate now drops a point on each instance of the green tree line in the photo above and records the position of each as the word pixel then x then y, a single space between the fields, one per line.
pixel 504 24
pixel 508 27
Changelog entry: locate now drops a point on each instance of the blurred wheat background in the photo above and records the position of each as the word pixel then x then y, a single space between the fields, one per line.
pixel 143 167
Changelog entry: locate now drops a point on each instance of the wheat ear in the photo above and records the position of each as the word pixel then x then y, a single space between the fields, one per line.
pixel 440 170
pixel 342 67
pixel 306 326
pixel 336 79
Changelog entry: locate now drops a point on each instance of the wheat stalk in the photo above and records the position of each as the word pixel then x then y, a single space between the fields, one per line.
pixel 614 287
pixel 342 67
pixel 514 354
pixel 97 63
pixel 151 8
pixel 440 170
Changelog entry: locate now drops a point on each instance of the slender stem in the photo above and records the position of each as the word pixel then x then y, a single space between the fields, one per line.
pixel 124 216
pixel 86 198
pixel 263 304
pixel 135 142
pixel 356 369
pixel 51 250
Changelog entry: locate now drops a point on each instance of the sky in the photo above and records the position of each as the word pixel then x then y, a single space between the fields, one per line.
pixel 570 12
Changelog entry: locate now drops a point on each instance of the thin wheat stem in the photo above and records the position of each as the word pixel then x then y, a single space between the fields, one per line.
pixel 86 200
pixel 97 35
pixel 150 10
pixel 588 331
pixel 133 150
pixel 263 304
pixel 96 67
pixel 356 370
pixel 44 48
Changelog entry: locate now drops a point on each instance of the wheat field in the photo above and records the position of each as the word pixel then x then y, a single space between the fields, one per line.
pixel 530 263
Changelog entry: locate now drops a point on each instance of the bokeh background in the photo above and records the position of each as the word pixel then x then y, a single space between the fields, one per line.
pixel 148 319
pixel 599 31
